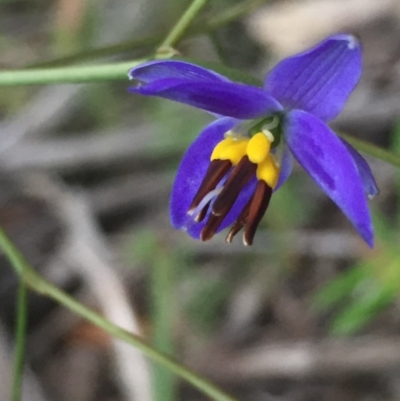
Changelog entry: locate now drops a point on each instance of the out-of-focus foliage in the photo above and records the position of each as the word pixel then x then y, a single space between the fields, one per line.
pixel 367 287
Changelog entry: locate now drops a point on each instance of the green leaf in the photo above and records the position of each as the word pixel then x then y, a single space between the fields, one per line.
pixel 204 306
pixel 339 288
pixel 359 314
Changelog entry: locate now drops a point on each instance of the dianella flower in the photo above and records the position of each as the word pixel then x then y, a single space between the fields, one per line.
pixel 229 173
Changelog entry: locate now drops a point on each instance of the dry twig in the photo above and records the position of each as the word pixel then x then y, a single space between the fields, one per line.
pixel 87 253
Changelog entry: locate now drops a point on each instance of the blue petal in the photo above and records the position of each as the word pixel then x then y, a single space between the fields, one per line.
pixel 368 180
pixel 156 70
pixel 224 98
pixel 319 80
pixel 190 174
pixel 326 159
pixel 286 165
pixel 202 88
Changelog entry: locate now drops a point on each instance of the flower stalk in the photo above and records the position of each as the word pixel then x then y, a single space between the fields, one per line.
pixel 41 286
pixel 20 334
pixel 67 75
pixel 202 26
pixel 182 25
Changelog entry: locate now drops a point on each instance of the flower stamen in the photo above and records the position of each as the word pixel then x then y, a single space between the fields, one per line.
pixel 258 148
pixel 215 172
pixel 251 214
pixel 211 227
pixel 202 208
pixel 239 177
pixel 258 206
pixel 249 157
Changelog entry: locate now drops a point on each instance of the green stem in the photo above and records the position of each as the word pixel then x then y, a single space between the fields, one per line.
pixel 183 24
pixel 79 74
pixel 76 74
pixel 163 313
pixel 232 14
pixel 211 24
pixel 100 52
pixel 373 150
pixel 43 287
pixel 20 331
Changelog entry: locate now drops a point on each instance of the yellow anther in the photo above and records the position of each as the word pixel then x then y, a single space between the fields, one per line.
pixel 268 171
pixel 258 148
pixel 235 152
pixel 230 149
pixel 220 147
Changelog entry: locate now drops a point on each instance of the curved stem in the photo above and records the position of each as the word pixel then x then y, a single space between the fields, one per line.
pixel 75 74
pixel 100 52
pixel 233 13
pixel 20 332
pixel 183 24
pixel 35 75
pixel 43 287
pixel 211 24
pixel 79 74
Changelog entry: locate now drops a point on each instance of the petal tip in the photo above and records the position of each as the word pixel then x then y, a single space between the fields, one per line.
pixel 373 193
pixel 369 239
pixel 366 231
pixel 320 79
pixel 131 72
pixel 352 41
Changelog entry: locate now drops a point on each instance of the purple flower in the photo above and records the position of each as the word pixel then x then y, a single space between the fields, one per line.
pixel 228 174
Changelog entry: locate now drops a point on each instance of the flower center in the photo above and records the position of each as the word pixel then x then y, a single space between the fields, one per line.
pixel 240 159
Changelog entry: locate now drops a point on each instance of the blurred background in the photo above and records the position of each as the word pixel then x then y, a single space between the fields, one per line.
pixel 307 313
